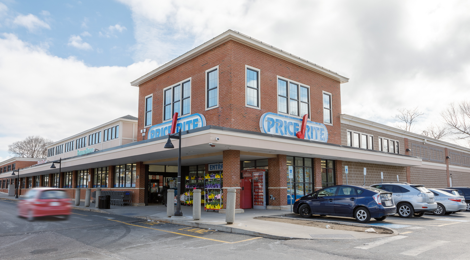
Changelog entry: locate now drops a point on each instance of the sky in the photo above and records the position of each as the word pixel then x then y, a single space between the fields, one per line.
pixel 66 66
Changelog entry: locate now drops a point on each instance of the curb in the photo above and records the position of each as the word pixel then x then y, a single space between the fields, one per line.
pixel 286 216
pixel 223 229
pixel 90 209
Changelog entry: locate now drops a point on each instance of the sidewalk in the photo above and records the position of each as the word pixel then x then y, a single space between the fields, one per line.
pixel 245 223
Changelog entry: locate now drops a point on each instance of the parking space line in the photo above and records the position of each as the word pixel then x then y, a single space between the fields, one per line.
pixel 407 232
pixel 420 250
pixel 181 234
pixel 380 242
pixel 79 214
pixel 448 224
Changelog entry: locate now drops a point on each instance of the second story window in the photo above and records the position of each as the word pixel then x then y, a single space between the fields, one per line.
pixel 148 110
pixel 177 99
pixel 212 84
pixel 389 146
pixel 252 88
pixel 360 140
pixel 327 118
pixel 80 143
pixel 111 133
pixel 293 98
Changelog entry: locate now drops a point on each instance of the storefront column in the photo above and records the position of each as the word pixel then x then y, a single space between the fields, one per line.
pixel 41 180
pixel 74 179
pixel 50 179
pixel 277 181
pixel 317 172
pixel 141 195
pixel 231 164
pixel 111 170
pixel 91 176
pixel 339 172
pixel 61 180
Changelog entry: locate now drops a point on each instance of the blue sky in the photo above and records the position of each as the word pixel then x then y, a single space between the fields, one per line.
pixel 104 28
pixel 66 66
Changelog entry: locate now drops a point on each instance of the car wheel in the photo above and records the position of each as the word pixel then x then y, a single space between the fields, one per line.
pixel 30 216
pixel 468 206
pixel 405 210
pixel 381 218
pixel 362 215
pixel 441 210
pixel 305 211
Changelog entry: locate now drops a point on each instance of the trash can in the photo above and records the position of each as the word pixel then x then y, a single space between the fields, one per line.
pixel 104 202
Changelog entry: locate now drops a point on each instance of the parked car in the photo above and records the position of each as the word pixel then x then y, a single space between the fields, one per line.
pixel 453 191
pixel 448 203
pixel 40 202
pixel 411 199
pixel 464 191
pixel 362 203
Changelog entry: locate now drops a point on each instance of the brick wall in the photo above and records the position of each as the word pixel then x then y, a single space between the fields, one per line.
pixel 231 57
pixel 427 152
pixel 19 164
pixel 356 173
pixel 231 161
pixel 277 180
pixel 430 178
pixel 460 179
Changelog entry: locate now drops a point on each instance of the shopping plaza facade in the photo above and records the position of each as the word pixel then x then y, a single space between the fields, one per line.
pixel 252 117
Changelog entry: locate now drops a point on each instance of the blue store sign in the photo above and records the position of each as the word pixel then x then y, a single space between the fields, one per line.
pixel 275 124
pixel 216 167
pixel 184 123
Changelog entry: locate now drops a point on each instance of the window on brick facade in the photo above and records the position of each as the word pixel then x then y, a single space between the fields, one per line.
pixel 212 88
pixel 68 180
pixel 327 115
pixel 110 133
pixel 302 183
pixel 328 173
pixel 45 180
pixel 360 140
pixel 125 175
pixel 101 177
pixel 293 98
pixel 252 88
pixel 389 146
pixel 177 99
pixel 148 110
pixel 82 179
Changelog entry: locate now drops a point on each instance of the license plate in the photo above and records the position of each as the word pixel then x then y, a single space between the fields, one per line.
pixel 388 203
pixel 55 204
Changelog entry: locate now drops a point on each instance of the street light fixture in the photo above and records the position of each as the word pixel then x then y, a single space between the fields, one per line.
pixel 60 169
pixel 18 185
pixel 169 145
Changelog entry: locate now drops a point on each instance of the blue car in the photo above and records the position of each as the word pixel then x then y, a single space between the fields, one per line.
pixel 362 203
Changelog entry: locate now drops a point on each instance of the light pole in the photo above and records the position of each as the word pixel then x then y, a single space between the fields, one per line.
pixel 169 145
pixel 60 169
pixel 18 185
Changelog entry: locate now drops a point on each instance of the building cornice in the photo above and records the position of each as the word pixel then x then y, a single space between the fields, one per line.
pixel 19 159
pixel 243 39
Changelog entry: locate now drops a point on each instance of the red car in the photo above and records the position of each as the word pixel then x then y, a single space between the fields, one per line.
pixel 40 202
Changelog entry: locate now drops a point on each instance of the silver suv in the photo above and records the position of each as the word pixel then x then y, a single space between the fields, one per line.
pixel 411 199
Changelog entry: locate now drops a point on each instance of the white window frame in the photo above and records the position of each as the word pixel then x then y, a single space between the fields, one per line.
pixel 323 107
pixel 381 138
pixel 259 87
pixel 352 132
pixel 145 111
pixel 288 97
pixel 181 98
pixel 205 87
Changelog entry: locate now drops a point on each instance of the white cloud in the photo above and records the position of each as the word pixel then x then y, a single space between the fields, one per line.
pixel 398 54
pixel 45 13
pixel 54 97
pixel 111 31
pixel 3 9
pixel 77 42
pixel 31 22
pixel 85 34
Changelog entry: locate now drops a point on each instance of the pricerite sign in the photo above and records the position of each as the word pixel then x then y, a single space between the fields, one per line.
pixel 184 123
pixel 283 125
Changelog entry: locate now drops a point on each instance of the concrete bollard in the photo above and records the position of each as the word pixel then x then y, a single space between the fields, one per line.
pixel 196 204
pixel 77 197
pixel 87 197
pixel 170 203
pixel 230 208
pixel 98 194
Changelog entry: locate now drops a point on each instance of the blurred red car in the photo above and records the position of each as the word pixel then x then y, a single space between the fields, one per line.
pixel 40 202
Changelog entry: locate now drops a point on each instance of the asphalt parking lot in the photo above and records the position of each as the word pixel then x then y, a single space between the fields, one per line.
pixel 90 235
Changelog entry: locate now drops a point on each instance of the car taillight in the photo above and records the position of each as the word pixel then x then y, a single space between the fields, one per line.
pixel 456 200
pixel 377 198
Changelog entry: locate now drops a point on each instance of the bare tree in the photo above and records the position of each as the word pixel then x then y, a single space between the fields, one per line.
pixel 458 119
pixel 436 132
pixel 31 147
pixel 408 117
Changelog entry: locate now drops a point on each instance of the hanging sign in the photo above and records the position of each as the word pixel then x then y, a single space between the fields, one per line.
pixel 291 171
pixel 283 125
pixel 216 167
pixel 184 123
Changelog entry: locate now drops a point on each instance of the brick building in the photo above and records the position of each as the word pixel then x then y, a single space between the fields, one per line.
pixel 249 111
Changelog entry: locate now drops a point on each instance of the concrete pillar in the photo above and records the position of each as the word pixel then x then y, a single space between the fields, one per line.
pixel 231 166
pixel 196 204
pixel 277 182
pixel 97 196
pixel 87 197
pixel 230 209
pixel 317 173
pixel 170 203
pixel 77 197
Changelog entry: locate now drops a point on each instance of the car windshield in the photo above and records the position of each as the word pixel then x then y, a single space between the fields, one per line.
pixel 53 194
pixel 31 194
pixel 422 189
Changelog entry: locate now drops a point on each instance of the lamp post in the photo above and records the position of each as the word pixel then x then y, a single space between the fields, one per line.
pixel 18 185
pixel 169 145
pixel 60 168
